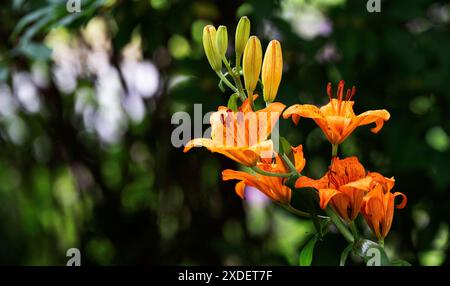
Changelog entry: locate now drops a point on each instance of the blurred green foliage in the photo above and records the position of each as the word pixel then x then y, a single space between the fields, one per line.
pixel 86 159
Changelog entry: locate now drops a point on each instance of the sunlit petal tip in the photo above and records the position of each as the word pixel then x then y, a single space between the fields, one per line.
pixel 240 190
pixel 198 142
pixel 276 107
pixel 289 111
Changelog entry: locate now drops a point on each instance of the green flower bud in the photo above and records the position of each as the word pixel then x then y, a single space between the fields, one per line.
pixel 251 64
pixel 222 40
pixel 211 51
pixel 242 34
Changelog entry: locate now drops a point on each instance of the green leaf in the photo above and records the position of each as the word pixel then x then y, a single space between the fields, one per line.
pixel 221 84
pixel 345 254
pixel 35 51
pixel 400 262
pixel 4 73
pixel 221 87
pixel 232 102
pixel 67 20
pixel 285 146
pixel 372 253
pixel 28 18
pixel 306 255
pixel 36 28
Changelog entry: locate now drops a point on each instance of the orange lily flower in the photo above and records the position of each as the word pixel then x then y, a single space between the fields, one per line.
pixel 273 187
pixel 337 119
pixel 378 205
pixel 241 136
pixel 343 186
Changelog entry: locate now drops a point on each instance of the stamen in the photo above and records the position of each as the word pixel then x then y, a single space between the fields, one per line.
pixel 340 89
pixel 348 94
pixel 330 95
pixel 353 93
pixel 340 94
pixel 329 91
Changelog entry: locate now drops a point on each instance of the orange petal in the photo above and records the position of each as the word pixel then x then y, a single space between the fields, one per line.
pixel 374 213
pixel 326 195
pixel 267 118
pixel 237 175
pixel 299 160
pixel 240 189
pixel 243 156
pixel 198 142
pixel 362 184
pixel 304 182
pixel 247 178
pixel 246 107
pixel 403 202
pixel 332 108
pixel 342 203
pixel 347 170
pixel 377 116
pixel 386 183
pixel 263 149
pixel 303 110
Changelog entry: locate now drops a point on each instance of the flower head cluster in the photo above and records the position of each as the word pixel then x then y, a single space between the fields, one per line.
pixel 242 133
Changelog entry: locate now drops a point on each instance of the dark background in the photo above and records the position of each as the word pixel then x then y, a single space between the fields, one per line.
pixel 86 158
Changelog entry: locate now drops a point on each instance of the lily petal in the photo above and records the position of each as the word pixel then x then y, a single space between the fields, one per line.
pixel 198 142
pixel 240 190
pixel 403 202
pixel 377 116
pixel 302 110
pixel 326 195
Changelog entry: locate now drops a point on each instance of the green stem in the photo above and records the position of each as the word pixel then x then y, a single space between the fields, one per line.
pixel 297 212
pixel 271 174
pixel 289 163
pixel 334 150
pixel 340 225
pixel 353 229
pixel 381 242
pixel 236 78
pixel 238 62
pixel 226 81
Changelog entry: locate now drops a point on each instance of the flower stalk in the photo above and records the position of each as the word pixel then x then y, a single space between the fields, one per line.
pixel 271 174
pixel 334 150
pixel 340 225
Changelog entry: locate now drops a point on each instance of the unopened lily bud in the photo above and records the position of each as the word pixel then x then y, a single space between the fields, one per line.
pixel 271 70
pixel 251 65
pixel 242 34
pixel 211 51
pixel 222 40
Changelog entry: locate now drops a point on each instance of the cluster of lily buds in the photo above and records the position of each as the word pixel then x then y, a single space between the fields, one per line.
pixel 248 48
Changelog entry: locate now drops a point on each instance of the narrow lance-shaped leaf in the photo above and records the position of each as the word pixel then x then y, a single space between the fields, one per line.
pixel 306 255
